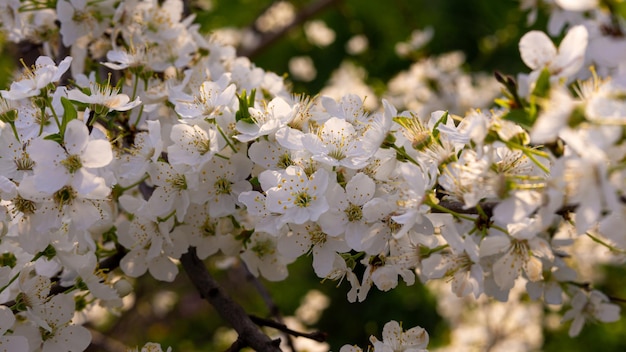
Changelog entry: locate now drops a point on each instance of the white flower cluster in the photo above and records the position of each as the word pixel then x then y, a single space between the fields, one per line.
pixel 195 147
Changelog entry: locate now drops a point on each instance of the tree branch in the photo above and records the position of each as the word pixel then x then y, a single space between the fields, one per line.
pixel 209 289
pixel 318 336
pixel 268 39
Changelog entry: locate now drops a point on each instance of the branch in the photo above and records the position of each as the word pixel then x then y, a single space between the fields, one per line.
pixel 268 39
pixel 249 334
pixel 318 336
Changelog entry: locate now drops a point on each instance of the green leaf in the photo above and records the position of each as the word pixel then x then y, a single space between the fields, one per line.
pixel 521 117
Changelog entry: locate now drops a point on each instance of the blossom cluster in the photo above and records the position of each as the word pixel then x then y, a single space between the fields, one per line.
pixel 163 139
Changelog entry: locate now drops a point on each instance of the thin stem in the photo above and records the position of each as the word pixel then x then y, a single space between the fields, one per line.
pixel 604 243
pixel 442 209
pixel 219 129
pixel 531 153
pixel 404 154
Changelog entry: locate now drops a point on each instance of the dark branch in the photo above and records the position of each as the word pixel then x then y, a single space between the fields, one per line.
pixel 319 336
pixel 209 289
pixel 268 39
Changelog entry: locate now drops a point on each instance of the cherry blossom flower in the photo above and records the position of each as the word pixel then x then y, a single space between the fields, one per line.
pixel 58 333
pixel 345 215
pixel 33 80
pixel 194 144
pixel 522 250
pixel 213 99
pixel 273 116
pixel 103 98
pixel 80 17
pixel 295 195
pixel 72 164
pixel 593 305
pixel 310 238
pixel 151 249
pixel 263 258
pixel 538 52
pixel 221 182
pixel 173 194
pixel 396 339
pixel 337 144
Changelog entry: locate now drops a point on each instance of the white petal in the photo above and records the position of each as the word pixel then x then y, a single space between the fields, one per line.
pixel 76 137
pixel 391 334
pixel 360 189
pixel 536 49
pixel 571 52
pixel 134 263
pixel 577 5
pixel 6 319
pixel 14 343
pixel 506 270
pixel 534 269
pixel 163 268
pixel 45 152
pixel 72 338
pixel 97 153
pixel 50 180
pixel 494 245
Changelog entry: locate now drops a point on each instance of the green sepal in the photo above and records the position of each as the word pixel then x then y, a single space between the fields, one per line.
pixel 57 137
pixel 244 103
pixel 542 85
pixel 442 120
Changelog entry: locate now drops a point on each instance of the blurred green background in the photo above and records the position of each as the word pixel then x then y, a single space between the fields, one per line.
pixel 486 31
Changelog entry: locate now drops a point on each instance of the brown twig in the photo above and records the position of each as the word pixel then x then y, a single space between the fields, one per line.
pixel 318 336
pixel 209 289
pixel 269 38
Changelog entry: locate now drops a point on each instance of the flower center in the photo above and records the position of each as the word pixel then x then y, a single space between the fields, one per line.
pixel 303 200
pixel 24 206
pixel 72 163
pixel 354 212
pixel 263 248
pixel 284 161
pixel 179 182
pixel 318 237
pixel 64 196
